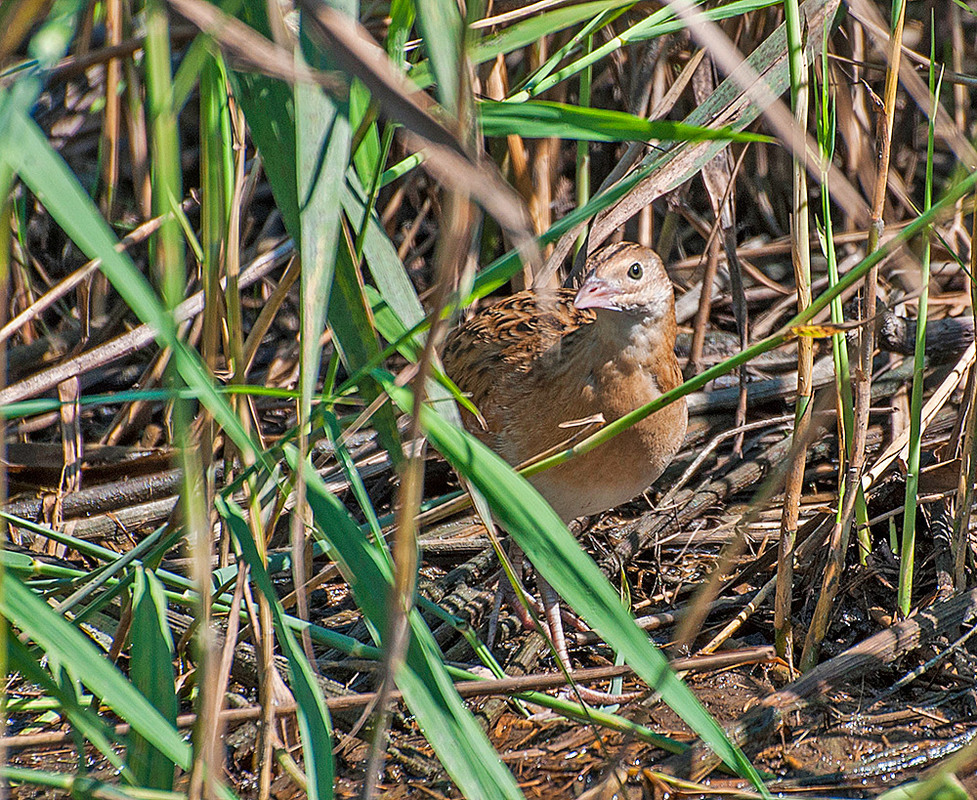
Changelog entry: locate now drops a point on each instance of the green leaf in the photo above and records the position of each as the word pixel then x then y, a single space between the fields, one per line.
pixel 351 322
pixel 537 26
pixel 322 137
pixel 557 555
pixel 460 743
pixel 269 108
pixel 441 30
pixel 538 119
pixel 59 639
pixel 151 671
pixel 313 716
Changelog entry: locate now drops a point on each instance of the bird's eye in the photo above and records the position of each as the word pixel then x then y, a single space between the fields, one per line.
pixel 635 271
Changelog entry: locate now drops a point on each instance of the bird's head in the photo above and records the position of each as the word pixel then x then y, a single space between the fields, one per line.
pixel 630 279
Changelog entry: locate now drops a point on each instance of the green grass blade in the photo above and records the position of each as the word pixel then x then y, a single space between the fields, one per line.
pixel 313 716
pixel 81 786
pixel 534 28
pixel 537 119
pixel 441 32
pixel 351 322
pixel 151 670
pixel 322 138
pixel 269 108
pixel 460 743
pixel 59 639
pixel 558 556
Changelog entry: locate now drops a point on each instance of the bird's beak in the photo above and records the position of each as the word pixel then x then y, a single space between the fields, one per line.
pixel 597 293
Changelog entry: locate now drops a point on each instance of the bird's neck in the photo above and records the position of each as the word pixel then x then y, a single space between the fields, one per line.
pixel 634 338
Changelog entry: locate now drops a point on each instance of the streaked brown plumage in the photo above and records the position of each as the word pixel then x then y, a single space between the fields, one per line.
pixel 532 362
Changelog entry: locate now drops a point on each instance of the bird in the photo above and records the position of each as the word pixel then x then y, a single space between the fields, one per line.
pixel 539 366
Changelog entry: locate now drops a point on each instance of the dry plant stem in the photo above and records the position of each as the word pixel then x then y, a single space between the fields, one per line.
pixel 838 541
pixel 711 448
pixel 884 134
pixel 838 538
pixel 73 65
pixel 454 245
pixel 266 317
pixel 472 688
pixel 968 460
pixel 868 15
pixel 227 653
pixel 234 335
pixel 899 446
pixel 138 138
pixel 801 259
pixel 691 622
pixel 729 629
pixel 702 313
pixel 717 175
pixel 72 445
pixel 112 120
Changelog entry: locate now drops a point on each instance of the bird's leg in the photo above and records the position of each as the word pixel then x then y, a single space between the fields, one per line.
pixel 507 594
pixel 549 621
pixel 552 613
pixel 554 620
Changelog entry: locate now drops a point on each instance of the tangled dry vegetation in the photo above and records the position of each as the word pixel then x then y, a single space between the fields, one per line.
pixel 806 562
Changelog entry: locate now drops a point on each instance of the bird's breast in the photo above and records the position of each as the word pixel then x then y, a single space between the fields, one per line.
pixel 614 472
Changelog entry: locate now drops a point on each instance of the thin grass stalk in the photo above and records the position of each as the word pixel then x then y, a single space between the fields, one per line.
pixel 542 78
pixel 6 203
pixel 839 536
pixel 214 166
pixel 224 167
pixel 138 139
pixel 884 134
pixel 374 190
pixel 839 347
pixel 453 249
pixel 801 258
pixel 169 259
pixel 968 460
pixel 236 349
pixel 450 259
pixel 908 543
pixel 583 147
pixel 214 144
pixel 112 119
pixel 238 361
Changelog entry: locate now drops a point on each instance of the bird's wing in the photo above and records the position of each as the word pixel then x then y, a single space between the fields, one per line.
pixel 485 353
